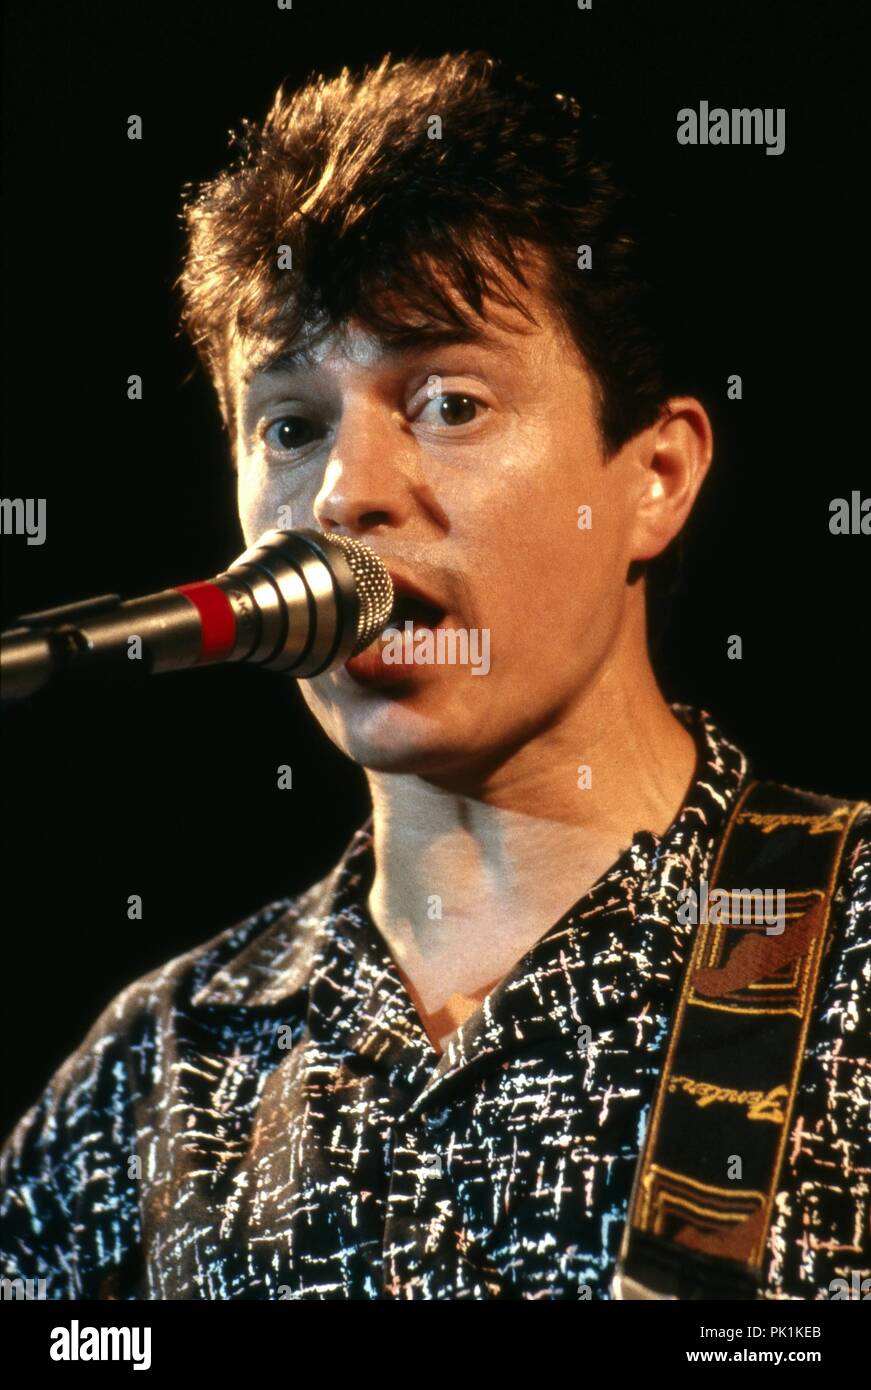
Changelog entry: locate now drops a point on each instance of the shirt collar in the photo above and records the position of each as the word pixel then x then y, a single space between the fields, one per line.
pixel 325 954
pixel 621 932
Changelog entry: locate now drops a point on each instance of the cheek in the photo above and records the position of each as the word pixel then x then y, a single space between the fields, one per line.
pixel 251 501
pixel 268 499
pixel 264 504
pixel 551 589
pixel 543 535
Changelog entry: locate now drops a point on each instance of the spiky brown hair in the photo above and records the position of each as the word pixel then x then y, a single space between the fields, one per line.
pixel 380 218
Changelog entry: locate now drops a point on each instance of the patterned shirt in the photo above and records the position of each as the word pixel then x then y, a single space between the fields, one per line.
pixel 265 1117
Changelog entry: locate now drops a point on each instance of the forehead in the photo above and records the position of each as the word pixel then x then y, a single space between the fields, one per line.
pixel 510 331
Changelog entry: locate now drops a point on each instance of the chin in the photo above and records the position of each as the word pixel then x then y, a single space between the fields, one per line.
pixel 398 741
pixel 415 730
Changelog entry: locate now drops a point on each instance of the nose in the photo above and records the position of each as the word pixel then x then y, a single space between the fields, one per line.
pixel 365 486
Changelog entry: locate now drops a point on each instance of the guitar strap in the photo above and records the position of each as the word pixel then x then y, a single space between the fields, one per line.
pixel 706 1179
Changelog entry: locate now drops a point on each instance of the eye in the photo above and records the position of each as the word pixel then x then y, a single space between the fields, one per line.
pixel 291 432
pixel 451 408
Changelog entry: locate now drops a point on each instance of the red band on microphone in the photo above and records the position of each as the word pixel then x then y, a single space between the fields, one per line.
pixel 218 635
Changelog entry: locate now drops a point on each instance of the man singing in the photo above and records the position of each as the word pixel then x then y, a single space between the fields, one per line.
pixel 435 320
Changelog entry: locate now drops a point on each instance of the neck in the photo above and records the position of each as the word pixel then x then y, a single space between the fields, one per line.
pixel 467 879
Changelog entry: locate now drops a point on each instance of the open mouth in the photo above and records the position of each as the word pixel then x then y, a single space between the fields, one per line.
pixel 381 666
pixel 409 608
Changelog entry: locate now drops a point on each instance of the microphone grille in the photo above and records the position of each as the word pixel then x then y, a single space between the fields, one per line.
pixel 374 587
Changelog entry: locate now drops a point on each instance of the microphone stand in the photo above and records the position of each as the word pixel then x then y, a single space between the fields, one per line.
pixel 42 646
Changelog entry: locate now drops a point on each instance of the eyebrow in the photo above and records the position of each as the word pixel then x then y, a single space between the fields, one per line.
pixel 415 342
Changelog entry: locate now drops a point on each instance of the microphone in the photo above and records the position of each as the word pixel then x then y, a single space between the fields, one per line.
pixel 295 601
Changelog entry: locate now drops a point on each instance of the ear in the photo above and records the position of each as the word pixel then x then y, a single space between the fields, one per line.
pixel 672 458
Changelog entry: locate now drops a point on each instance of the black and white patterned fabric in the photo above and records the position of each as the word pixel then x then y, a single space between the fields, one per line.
pixel 266 1118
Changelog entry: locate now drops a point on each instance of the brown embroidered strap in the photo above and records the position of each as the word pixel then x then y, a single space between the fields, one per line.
pixel 706 1180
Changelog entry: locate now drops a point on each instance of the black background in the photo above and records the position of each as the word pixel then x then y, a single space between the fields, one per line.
pixel 168 788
